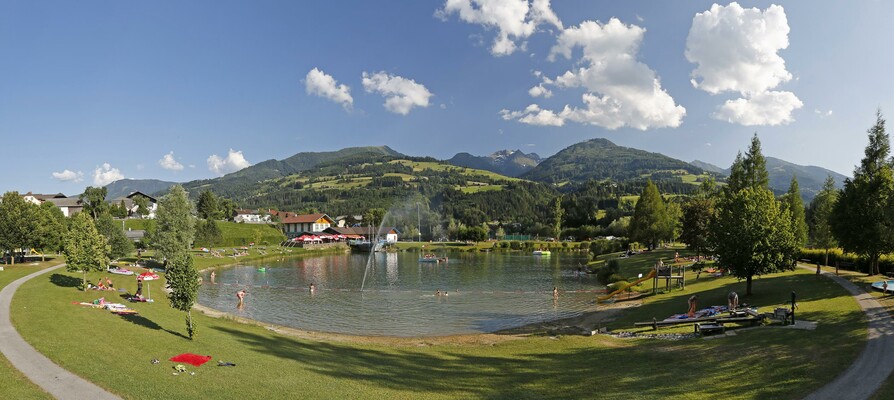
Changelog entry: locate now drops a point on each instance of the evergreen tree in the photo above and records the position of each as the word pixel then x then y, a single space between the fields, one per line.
pixel 795 206
pixel 85 248
pixel 207 206
pixel 755 165
pixel 649 224
pixel 208 233
pixel 859 217
pixel 697 214
pixel 18 222
pixel 820 212
pixel 736 180
pixel 558 213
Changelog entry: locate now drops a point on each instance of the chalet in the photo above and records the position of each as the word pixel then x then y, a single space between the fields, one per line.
pixel 38 199
pixel 251 217
pixel 295 225
pixel 132 207
pixel 68 205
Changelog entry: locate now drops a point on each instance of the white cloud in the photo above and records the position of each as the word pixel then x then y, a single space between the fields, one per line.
pixel 169 163
pixel 736 49
pixel 401 94
pixel 540 90
pixel 767 108
pixel 69 176
pixel 534 115
pixel 514 20
pixel 233 162
pixel 620 91
pixel 105 175
pixel 823 114
pixel 318 83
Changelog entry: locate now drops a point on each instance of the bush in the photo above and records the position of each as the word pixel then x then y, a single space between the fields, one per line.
pixel 616 278
pixel 609 271
pixel 504 245
pixel 515 245
pixel 885 262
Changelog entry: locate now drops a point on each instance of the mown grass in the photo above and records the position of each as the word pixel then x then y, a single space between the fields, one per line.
pixel 233 234
pixel 115 351
pixel 14 385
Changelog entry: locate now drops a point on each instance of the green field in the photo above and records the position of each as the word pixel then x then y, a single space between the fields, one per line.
pixel 114 352
pixel 234 234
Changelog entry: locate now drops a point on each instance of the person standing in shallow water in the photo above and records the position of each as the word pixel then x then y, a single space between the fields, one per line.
pixel 241 296
pixel 555 293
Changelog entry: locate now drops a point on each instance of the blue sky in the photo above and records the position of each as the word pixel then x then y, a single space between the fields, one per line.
pixel 91 91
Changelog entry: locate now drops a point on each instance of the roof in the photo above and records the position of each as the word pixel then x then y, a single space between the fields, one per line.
pixel 67 202
pixel 359 230
pixel 246 212
pixel 305 219
pixel 130 196
pixel 135 234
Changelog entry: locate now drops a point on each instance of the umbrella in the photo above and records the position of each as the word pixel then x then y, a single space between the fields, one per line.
pixel 148 276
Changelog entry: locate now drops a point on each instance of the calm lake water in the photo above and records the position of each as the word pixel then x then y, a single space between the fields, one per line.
pixel 486 292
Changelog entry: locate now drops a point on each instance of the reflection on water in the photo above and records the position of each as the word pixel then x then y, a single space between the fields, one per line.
pixel 485 293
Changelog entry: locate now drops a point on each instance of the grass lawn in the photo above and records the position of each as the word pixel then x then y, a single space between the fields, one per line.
pixel 234 234
pixel 115 351
pixel 14 385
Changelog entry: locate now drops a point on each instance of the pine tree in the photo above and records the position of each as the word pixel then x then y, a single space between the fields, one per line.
pixel 859 218
pixel 649 224
pixel 795 206
pixel 820 212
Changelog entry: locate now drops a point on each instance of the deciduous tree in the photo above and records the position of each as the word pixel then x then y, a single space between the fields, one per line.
pixel 174 235
pixel 649 224
pixel 18 223
pixel 85 248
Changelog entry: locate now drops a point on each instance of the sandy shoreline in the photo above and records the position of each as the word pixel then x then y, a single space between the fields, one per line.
pixel 586 322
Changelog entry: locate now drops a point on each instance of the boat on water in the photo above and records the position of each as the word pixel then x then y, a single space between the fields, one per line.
pixel 542 252
pixel 431 258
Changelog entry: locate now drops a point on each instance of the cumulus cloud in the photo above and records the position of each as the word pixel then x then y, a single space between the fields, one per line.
pixel 169 163
pixel 401 94
pixel 620 91
pixel 540 90
pixel 318 83
pixel 514 20
pixel 736 50
pixel 233 162
pixel 534 115
pixel 105 175
pixel 766 108
pixel 69 176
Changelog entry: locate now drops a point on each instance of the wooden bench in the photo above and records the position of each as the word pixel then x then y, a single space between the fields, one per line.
pixel 707 329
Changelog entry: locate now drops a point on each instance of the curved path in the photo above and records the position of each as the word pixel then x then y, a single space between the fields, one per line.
pixel 872 367
pixel 39 369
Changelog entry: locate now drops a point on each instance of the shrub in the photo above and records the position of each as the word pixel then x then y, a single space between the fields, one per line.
pixel 616 278
pixel 515 245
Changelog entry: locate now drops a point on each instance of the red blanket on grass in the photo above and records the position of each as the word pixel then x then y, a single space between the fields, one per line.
pixel 190 358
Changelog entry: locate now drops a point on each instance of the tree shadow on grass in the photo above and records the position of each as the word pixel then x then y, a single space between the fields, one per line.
pixel 148 323
pixel 65 280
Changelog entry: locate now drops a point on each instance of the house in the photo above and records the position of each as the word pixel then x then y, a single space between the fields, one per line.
pixel 68 205
pixel 132 207
pixel 251 217
pixel 389 235
pixel 38 199
pixel 135 235
pixel 295 225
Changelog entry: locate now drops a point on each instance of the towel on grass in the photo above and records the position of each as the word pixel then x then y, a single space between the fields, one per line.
pixel 190 358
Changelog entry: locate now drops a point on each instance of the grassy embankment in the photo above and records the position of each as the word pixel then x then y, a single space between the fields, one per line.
pixel 115 351
pixel 233 234
pixel 14 385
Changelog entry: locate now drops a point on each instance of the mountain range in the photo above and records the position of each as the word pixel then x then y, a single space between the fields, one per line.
pixel 595 159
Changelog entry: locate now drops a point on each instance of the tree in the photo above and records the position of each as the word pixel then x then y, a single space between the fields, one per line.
pixel 119 210
pixel 649 224
pixel 174 224
pixel 94 199
pixel 751 235
pixel 18 222
pixel 750 232
pixel 227 207
pixel 558 213
pixel 85 248
pixel 208 233
pixel 174 234
pixel 374 217
pixel 183 279
pixel 697 214
pixel 820 212
pixel 474 234
pixel 142 203
pixel 207 206
pixel 119 244
pixel 859 217
pixel 51 228
pixel 795 206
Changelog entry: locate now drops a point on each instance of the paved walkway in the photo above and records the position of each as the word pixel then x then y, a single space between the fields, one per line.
pixel 870 370
pixel 39 369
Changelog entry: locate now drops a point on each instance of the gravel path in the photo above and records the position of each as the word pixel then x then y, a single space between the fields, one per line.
pixel 870 370
pixel 39 369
